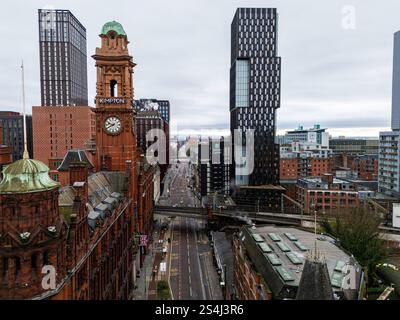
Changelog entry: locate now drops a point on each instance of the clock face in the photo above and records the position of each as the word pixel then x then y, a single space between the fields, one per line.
pixel 113 125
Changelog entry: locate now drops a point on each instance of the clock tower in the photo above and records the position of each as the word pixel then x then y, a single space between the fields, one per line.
pixel 115 116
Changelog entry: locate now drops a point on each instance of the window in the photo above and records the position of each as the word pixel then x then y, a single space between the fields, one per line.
pixel 242 83
pixel 114 88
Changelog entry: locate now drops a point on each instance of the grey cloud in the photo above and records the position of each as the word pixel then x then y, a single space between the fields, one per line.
pixel 182 48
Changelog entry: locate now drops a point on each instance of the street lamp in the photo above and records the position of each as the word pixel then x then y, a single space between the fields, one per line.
pixel 314 207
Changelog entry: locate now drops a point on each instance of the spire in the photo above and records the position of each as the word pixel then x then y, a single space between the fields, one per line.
pixel 315 283
pixel 26 154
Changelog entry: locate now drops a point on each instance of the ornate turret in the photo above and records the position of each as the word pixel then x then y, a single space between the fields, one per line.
pixel 32 232
pixel 113 26
pixel 26 175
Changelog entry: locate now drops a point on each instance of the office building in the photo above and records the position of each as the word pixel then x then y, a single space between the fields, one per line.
pixel 316 136
pixel 213 167
pixel 389 142
pixel 354 146
pixel 162 106
pixel 396 83
pixel 5 153
pixel 63 59
pixel 151 115
pixel 255 78
pixel 13 133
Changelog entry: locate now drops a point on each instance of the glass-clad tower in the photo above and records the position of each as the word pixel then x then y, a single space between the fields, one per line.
pixel 255 78
pixel 63 59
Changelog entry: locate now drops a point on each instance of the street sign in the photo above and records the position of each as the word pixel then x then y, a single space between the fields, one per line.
pixel 143 240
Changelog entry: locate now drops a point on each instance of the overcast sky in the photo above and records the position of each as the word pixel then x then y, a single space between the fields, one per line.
pixel 337 77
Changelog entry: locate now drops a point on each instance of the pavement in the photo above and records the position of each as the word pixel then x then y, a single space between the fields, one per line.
pixel 142 292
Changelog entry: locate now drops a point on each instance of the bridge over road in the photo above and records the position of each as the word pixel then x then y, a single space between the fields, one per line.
pixel 262 217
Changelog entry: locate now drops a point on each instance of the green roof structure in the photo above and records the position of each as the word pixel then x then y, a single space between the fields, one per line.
pixel 113 26
pixel 26 176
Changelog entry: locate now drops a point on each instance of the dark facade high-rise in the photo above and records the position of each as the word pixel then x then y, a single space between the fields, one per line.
pixel 162 106
pixel 63 59
pixel 213 167
pixel 255 86
pixel 12 124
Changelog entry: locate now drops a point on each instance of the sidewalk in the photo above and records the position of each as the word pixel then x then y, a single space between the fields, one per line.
pixel 160 257
pixel 141 293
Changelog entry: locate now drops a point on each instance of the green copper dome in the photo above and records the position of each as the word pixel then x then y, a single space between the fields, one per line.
pixel 113 26
pixel 26 176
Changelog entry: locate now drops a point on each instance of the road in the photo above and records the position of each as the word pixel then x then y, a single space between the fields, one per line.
pixel 191 273
pixel 177 190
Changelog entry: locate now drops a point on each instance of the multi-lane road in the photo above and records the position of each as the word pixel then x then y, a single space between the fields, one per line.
pixel 177 190
pixel 192 275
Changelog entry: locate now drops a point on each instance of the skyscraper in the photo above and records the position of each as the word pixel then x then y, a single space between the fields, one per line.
pixel 389 142
pixel 396 83
pixel 254 97
pixel 162 106
pixel 63 60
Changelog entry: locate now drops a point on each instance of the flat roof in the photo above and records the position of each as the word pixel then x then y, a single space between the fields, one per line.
pixel 285 249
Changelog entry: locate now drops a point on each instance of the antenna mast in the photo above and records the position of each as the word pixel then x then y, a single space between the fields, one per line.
pixel 26 154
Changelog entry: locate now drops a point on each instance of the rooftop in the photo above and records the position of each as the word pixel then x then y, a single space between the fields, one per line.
pixel 103 187
pixel 279 255
pixel 113 26
pixel 26 176
pixel 74 156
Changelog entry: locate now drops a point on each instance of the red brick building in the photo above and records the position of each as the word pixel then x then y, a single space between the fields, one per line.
pixel 249 284
pixel 59 129
pixel 299 167
pixel 327 195
pixel 365 166
pixel 88 230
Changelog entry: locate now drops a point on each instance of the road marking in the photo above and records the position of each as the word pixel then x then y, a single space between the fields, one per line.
pixel 170 257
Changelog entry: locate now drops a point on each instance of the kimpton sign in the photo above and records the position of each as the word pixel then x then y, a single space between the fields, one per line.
pixel 112 100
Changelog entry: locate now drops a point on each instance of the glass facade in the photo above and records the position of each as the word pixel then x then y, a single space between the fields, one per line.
pixel 255 89
pixel 255 79
pixel 242 83
pixel 12 124
pixel 63 59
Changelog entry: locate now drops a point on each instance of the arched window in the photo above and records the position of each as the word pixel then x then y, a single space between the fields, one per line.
pixel 113 35
pixel 114 88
